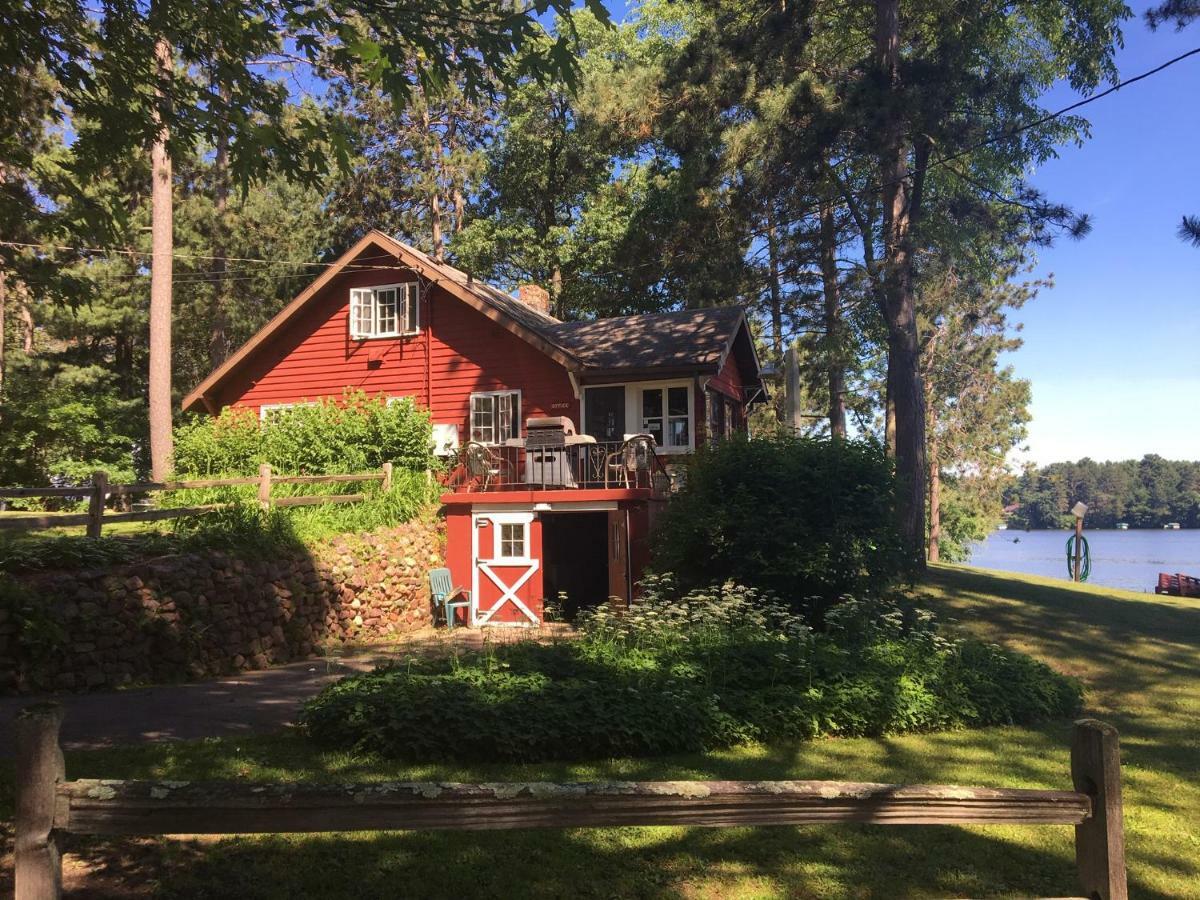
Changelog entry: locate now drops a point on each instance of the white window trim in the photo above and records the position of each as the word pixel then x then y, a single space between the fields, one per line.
pixel 471 414
pixel 498 519
pixel 267 408
pixel 633 408
pixel 404 328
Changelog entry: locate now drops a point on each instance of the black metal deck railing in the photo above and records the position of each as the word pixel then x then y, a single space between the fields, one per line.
pixel 572 465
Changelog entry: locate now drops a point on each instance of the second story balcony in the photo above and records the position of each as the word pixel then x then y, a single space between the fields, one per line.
pixel 552 457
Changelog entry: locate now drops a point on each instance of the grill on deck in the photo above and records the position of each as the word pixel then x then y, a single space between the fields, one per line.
pixel 548 461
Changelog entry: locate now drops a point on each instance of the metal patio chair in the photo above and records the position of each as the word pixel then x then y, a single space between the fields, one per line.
pixel 482 463
pixel 627 464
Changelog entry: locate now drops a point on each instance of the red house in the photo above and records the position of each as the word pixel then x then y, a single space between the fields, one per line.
pixel 568 436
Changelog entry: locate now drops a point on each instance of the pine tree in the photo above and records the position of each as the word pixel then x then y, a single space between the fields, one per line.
pixel 976 410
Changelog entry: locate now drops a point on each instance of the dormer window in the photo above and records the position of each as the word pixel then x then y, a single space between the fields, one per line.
pixel 391 310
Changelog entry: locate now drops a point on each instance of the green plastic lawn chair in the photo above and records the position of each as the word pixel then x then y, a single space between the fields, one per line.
pixel 447 597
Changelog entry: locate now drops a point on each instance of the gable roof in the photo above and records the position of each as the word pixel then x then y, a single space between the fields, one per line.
pixel 683 340
pixel 506 311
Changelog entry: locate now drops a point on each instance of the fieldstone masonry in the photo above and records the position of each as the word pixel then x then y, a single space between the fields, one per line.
pixel 199 615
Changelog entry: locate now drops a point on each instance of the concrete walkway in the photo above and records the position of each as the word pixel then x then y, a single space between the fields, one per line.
pixel 249 703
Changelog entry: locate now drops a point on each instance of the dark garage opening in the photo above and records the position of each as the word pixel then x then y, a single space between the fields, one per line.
pixel 575 557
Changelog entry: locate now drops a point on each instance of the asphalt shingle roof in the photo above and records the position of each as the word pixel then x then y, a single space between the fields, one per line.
pixel 680 339
pixel 688 337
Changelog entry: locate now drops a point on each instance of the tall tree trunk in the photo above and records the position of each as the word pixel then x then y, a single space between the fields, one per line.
pixel 435 194
pixel 435 224
pixel 457 200
pixel 27 326
pixel 776 301
pixel 776 292
pixel 556 286
pixel 833 323
pixel 218 338
pixel 935 503
pixel 435 218
pixel 864 221
pixel 935 479
pixel 904 380
pixel 460 208
pixel 3 321
pixel 889 412
pixel 161 271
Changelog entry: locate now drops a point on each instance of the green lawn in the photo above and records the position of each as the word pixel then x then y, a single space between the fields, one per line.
pixel 1137 654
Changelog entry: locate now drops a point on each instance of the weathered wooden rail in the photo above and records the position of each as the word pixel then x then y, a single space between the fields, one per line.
pixel 48 806
pixel 99 492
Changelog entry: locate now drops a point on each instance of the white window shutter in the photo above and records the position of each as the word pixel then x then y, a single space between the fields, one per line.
pixel 412 308
pixel 360 301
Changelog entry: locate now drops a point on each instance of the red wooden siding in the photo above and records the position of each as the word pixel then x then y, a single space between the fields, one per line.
pixel 458 552
pixel 729 380
pixel 315 357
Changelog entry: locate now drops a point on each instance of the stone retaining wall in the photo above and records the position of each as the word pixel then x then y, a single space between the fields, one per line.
pixel 198 615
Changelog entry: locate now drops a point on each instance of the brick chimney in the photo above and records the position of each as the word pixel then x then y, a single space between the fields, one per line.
pixel 535 297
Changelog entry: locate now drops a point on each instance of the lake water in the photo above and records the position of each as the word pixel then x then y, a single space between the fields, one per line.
pixel 1122 559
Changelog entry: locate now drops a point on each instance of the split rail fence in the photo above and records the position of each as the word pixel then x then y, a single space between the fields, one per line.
pixel 100 491
pixel 48 806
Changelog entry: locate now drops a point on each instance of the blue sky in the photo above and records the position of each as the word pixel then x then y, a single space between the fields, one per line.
pixel 1113 350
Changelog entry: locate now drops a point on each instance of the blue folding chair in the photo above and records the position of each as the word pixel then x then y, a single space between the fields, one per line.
pixel 446 596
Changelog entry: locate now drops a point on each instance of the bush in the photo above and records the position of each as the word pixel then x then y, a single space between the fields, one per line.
pixel 354 434
pixel 717 668
pixel 799 518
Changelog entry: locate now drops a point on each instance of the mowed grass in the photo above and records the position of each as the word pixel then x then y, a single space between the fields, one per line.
pixel 1137 654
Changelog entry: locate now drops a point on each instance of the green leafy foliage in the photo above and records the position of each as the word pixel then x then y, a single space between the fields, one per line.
pixel 353 434
pixel 800 518
pixel 717 668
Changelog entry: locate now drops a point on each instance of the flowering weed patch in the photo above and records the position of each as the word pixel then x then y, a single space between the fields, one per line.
pixel 716 668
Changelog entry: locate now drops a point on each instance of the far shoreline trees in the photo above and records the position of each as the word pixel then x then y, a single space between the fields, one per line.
pixel 1145 493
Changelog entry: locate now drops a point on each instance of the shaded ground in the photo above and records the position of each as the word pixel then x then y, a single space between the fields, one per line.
pixel 1137 655
pixel 250 703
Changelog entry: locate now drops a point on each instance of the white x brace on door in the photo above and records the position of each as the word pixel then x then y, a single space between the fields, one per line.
pixel 501 555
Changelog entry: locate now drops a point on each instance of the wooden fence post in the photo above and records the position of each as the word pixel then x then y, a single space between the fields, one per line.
pixel 96 506
pixel 387 477
pixel 39 770
pixel 264 486
pixel 1099 841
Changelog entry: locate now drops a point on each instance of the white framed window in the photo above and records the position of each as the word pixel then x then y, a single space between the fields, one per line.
pixel 390 310
pixel 666 414
pixel 270 410
pixel 512 540
pixel 495 416
pixel 663 409
pixel 510 537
